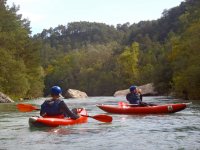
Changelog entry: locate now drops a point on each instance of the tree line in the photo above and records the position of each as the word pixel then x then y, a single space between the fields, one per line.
pixel 100 59
pixel 21 74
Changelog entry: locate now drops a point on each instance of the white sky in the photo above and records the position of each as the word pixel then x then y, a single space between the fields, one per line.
pixel 44 14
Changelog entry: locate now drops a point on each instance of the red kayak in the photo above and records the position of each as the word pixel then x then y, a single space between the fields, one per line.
pixel 57 121
pixel 133 109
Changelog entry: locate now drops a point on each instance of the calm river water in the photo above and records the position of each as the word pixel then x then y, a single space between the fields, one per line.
pixel 179 131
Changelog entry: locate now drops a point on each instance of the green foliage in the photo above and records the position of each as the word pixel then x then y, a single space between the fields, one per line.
pixel 84 69
pixel 186 63
pixel 178 69
pixel 79 34
pixel 150 51
pixel 162 76
pixel 20 71
pixel 98 58
pixel 128 64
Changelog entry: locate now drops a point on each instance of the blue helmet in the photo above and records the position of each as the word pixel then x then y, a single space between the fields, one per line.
pixel 132 88
pixel 56 90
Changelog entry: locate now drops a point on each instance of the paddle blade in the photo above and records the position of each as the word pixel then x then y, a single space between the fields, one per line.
pixel 102 118
pixel 26 107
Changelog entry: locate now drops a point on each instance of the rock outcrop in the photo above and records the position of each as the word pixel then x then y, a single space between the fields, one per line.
pixel 147 90
pixel 5 99
pixel 72 93
pixel 121 92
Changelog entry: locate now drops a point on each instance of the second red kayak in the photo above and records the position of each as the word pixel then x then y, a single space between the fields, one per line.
pixel 158 109
pixel 56 121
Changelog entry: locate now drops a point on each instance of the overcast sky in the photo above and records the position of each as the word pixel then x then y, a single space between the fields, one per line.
pixel 44 14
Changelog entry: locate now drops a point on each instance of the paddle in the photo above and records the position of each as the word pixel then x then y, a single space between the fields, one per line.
pixel 26 107
pixel 101 117
pixel 29 108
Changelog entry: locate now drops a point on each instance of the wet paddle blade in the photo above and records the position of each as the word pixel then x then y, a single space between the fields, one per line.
pixel 26 107
pixel 102 118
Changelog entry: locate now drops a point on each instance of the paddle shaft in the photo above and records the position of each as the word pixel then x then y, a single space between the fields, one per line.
pixel 87 116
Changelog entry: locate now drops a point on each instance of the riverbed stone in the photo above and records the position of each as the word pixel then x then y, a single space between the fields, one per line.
pixel 5 99
pixel 147 89
pixel 72 93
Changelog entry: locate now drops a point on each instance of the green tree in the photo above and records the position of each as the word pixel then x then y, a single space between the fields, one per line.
pixel 185 59
pixel 128 64
pixel 20 70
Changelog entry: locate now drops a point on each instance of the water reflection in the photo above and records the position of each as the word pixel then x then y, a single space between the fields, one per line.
pixel 8 107
pixel 62 131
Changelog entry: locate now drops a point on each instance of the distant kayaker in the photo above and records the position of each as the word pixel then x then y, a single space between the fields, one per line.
pixel 135 97
pixel 57 107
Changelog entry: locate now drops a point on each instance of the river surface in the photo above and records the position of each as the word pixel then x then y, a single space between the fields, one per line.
pixel 178 131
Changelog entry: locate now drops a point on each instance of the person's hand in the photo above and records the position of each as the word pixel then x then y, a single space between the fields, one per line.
pixel 79 110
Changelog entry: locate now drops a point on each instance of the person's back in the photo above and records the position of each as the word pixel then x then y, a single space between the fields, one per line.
pixel 51 107
pixel 56 106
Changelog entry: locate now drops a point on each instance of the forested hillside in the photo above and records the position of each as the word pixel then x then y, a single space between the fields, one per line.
pixel 21 74
pixel 100 59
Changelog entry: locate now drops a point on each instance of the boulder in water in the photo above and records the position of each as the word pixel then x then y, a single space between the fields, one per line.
pixel 147 90
pixel 72 93
pixel 5 99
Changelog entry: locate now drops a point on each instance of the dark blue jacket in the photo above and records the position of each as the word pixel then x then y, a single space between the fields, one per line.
pixel 56 107
pixel 133 98
pixel 51 108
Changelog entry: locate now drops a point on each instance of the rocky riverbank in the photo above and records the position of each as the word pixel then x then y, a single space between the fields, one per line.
pixel 5 99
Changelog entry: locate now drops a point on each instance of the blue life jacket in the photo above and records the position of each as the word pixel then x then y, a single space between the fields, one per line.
pixel 51 108
pixel 133 98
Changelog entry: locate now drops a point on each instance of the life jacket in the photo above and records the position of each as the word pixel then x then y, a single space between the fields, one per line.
pixel 133 98
pixel 51 107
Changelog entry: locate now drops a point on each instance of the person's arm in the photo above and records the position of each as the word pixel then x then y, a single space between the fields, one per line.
pixel 67 111
pixel 42 112
pixel 128 98
pixel 141 97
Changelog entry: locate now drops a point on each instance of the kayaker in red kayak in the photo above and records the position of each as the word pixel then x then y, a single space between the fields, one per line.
pixel 133 97
pixel 57 107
